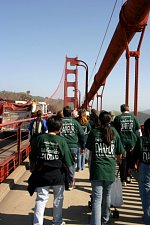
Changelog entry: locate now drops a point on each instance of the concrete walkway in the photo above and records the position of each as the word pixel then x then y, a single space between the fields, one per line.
pixel 16 206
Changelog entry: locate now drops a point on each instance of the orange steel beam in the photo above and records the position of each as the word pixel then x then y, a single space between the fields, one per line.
pixel 133 18
pixel 136 55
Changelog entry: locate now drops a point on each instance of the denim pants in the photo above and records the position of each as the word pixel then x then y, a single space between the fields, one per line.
pixel 42 199
pixel 101 201
pixel 72 168
pixel 123 170
pixel 81 160
pixel 144 186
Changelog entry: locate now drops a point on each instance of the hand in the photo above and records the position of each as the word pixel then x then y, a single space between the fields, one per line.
pixel 119 159
pixel 82 151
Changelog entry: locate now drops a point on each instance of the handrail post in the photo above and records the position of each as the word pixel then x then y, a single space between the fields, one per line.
pixel 19 142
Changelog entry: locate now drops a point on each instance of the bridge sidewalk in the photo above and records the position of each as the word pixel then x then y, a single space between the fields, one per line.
pixel 17 206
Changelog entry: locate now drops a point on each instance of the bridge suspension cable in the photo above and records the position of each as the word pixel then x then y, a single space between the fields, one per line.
pixel 103 39
pixel 59 92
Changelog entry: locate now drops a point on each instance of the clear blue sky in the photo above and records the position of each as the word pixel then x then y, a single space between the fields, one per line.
pixel 37 35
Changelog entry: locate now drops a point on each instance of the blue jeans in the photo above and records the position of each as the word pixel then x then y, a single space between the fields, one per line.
pixel 81 160
pixel 42 199
pixel 101 201
pixel 72 168
pixel 144 186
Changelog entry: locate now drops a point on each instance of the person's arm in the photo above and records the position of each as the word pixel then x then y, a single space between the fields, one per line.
pixel 89 127
pixel 119 147
pixel 81 135
pixel 67 156
pixel 30 130
pixel 90 146
pixel 137 128
pixel 119 159
pixel 137 152
pixel 33 154
pixel 45 128
pixel 89 159
pixel 138 132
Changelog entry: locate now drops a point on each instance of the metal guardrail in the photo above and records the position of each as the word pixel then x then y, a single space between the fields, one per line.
pixel 14 146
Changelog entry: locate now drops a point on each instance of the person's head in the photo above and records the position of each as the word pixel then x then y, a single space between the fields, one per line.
pixel 39 113
pixel 105 118
pixel 59 114
pixel 54 124
pixel 112 115
pixel 107 132
pixel 93 112
pixel 67 111
pixel 147 128
pixel 94 121
pixel 83 116
pixel 74 113
pixel 124 108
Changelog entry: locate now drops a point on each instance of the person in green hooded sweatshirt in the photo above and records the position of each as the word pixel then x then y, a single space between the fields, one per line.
pixel 73 133
pixel 52 158
pixel 105 149
pixel 129 129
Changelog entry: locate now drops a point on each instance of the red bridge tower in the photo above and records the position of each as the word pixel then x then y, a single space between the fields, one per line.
pixel 71 101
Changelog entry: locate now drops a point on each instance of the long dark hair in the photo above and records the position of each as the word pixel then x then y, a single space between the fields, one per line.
pixel 147 128
pixel 83 117
pixel 107 131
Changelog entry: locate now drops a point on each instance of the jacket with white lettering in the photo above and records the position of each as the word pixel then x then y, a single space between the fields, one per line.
pixel 142 150
pixel 127 125
pixel 103 161
pixel 50 154
pixel 73 132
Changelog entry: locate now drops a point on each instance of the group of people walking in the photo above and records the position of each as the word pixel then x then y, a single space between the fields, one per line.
pixel 63 144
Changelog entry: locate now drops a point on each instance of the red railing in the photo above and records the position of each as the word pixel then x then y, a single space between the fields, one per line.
pixel 14 146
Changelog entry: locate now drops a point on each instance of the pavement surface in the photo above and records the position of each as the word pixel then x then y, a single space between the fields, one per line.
pixel 17 206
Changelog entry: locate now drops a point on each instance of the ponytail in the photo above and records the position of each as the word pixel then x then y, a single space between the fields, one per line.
pixel 107 132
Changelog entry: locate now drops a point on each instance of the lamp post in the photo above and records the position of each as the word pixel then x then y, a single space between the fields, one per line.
pixel 79 98
pixel 101 96
pixel 77 62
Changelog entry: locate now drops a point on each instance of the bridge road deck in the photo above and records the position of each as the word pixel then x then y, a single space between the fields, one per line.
pixel 8 146
pixel 17 206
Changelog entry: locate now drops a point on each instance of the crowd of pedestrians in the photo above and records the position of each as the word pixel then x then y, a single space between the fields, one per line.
pixel 66 141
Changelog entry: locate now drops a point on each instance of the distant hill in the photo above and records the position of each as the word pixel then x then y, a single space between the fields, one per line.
pixel 5 95
pixel 54 105
pixel 146 111
pixel 142 117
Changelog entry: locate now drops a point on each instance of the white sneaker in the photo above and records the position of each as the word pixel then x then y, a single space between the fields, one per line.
pixel 72 185
pixel 63 223
pixel 129 179
pixel 124 183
